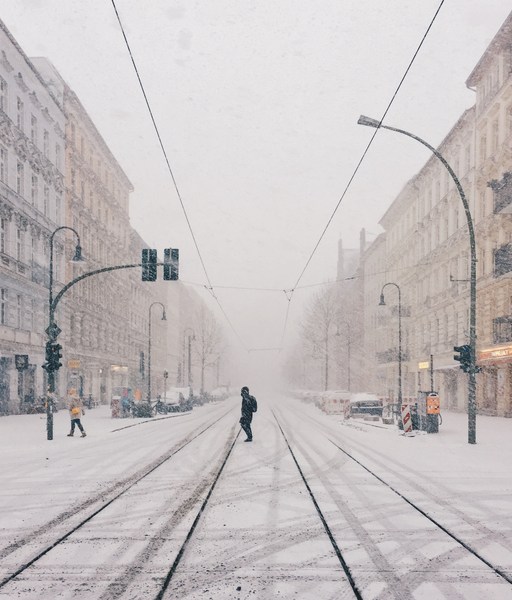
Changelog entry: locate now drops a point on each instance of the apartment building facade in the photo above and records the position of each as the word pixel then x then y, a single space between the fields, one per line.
pixel 32 206
pixel 426 251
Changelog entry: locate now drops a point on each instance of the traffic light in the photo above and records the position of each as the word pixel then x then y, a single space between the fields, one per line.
pixel 171 264
pixel 149 261
pixel 53 355
pixel 463 356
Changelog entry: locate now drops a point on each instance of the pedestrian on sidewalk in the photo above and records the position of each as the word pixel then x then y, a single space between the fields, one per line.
pixel 76 410
pixel 249 406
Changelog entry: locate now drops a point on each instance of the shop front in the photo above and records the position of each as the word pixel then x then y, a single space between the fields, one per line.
pixel 494 382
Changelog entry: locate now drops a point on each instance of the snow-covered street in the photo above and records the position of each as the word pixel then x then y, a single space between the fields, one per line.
pixel 316 507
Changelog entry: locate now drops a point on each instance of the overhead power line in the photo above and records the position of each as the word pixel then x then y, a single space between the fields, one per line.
pixel 178 193
pixel 363 156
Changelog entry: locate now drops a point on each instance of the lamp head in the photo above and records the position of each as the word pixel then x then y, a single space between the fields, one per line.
pixel 164 317
pixel 368 121
pixel 78 254
pixel 382 303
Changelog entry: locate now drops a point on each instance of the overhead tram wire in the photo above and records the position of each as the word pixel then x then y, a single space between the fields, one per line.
pixel 175 183
pixel 363 156
pixel 289 292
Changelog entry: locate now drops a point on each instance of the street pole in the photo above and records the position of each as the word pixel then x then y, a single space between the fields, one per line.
pixel 472 293
pixel 383 303
pixel 189 334
pixel 53 330
pixel 164 318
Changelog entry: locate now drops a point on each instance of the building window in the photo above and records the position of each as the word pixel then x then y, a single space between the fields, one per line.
pixel 58 206
pixel 33 192
pixel 82 192
pixel 73 180
pixel 3 164
pixel 483 147
pixel 73 133
pixel 46 143
pixel 19 311
pixel 495 136
pixel 467 158
pixel 46 208
pixel 58 156
pixel 20 176
pixel 20 117
pixel 33 129
pixel 3 235
pixel 19 244
pixel 3 95
pixel 3 306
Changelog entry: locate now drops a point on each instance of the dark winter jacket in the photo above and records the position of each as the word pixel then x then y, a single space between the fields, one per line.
pixel 249 406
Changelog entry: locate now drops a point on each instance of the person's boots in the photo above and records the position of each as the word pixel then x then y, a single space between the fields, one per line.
pixel 70 434
pixel 83 434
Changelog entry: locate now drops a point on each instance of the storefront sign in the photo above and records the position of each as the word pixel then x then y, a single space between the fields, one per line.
pixel 73 363
pixel 493 354
pixel 424 365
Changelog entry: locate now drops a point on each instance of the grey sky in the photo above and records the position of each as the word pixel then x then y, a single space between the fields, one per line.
pixel 257 104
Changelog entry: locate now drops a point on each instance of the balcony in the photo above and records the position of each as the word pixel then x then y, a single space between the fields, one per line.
pixel 502 329
pixel 503 260
pixel 502 194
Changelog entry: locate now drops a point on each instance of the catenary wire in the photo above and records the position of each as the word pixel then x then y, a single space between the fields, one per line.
pixel 289 293
pixel 365 151
pixel 169 168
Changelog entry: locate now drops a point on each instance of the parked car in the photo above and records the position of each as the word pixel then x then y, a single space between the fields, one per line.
pixel 365 405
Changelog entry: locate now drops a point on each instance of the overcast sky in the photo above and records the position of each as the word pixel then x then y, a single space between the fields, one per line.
pixel 257 103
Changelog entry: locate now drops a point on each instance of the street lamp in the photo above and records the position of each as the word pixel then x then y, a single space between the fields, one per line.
pixel 190 338
pixel 472 292
pixel 54 330
pixel 164 318
pixel 383 303
pixel 349 341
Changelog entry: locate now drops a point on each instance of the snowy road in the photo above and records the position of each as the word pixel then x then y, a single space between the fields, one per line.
pixel 118 508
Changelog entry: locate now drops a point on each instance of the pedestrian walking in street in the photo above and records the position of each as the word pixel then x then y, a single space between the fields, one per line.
pixel 249 406
pixel 76 410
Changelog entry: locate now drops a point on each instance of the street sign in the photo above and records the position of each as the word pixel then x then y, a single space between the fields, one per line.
pixel 21 361
pixel 53 331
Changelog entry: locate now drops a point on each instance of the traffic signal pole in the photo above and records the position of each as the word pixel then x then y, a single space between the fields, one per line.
pixel 170 265
pixel 473 369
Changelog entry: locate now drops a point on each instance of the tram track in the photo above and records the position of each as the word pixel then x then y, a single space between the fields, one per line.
pixel 104 498
pixel 412 482
pixel 435 522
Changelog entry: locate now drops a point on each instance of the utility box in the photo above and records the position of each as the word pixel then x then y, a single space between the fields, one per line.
pixel 433 410
pixel 429 408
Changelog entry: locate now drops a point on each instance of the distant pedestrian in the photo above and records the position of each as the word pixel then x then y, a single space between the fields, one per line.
pixel 249 406
pixel 76 410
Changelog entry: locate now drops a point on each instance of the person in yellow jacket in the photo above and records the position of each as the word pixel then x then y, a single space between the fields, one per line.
pixel 76 410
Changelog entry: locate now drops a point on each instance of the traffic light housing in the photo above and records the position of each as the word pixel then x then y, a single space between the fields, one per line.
pixel 463 356
pixel 53 354
pixel 149 262
pixel 171 264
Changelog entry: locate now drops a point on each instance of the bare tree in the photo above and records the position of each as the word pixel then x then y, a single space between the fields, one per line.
pixel 317 326
pixel 209 344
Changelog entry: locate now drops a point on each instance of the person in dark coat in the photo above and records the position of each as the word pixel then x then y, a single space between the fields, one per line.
pixel 249 406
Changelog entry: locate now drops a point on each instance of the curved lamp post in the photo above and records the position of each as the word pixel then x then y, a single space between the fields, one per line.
pixel 472 293
pixel 189 357
pixel 164 318
pixel 383 303
pixel 53 329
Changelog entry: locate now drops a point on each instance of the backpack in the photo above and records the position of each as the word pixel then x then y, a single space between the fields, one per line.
pixel 254 404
